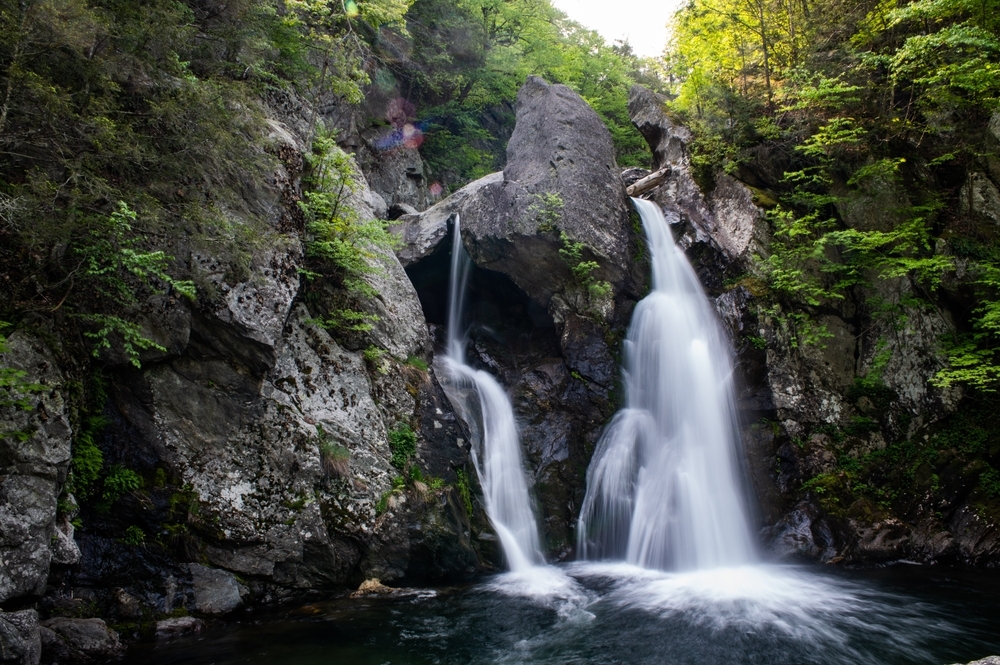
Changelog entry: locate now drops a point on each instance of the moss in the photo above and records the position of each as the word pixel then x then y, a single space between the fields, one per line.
pixel 763 198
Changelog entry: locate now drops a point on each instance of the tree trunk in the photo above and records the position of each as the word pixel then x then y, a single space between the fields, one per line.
pixel 653 180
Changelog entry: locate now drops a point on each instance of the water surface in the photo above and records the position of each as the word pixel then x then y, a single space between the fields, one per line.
pixel 615 613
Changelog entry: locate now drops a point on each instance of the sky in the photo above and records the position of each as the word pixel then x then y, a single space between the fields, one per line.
pixel 643 22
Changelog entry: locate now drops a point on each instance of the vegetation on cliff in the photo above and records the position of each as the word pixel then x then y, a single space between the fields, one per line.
pixel 870 133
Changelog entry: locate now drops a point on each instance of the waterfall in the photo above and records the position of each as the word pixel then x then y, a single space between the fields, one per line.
pixel 496 453
pixel 663 488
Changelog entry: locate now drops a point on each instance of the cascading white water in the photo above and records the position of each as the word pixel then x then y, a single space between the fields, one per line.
pixel 663 488
pixel 485 407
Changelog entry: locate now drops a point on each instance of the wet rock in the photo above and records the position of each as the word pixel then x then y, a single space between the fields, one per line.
pixel 33 468
pixel 215 591
pixel 533 320
pixel 177 626
pixel 885 540
pixel 20 640
pixel 989 660
pixel 801 533
pixel 78 641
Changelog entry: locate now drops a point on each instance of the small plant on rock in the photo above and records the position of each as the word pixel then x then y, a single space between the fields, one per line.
pixel 403 444
pixel 334 458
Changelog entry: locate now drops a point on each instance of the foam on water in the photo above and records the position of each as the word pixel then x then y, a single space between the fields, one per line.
pixel 785 601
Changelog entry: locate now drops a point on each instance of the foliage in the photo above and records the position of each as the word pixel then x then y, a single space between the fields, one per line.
pixel 403 444
pixel 88 460
pixel 119 482
pixel 572 253
pixel 134 536
pixel 547 210
pixel 342 245
pixel 334 458
pixel 418 363
pixel 334 31
pixel 863 104
pixel 15 390
pixel 464 491
pixel 468 59
pixel 375 357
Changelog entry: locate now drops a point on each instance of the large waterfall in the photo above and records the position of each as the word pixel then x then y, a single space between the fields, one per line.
pixel 663 488
pixel 485 407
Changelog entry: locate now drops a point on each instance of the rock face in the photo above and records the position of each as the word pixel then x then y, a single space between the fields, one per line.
pixel 34 460
pixel 20 639
pixel 722 230
pixel 809 406
pixel 258 441
pixel 547 334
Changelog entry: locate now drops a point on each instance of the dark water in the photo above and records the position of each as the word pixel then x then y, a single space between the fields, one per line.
pixel 614 614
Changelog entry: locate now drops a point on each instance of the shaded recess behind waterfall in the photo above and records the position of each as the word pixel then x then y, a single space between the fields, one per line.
pixel 486 409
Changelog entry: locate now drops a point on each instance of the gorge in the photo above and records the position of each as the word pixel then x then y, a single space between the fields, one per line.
pixel 351 409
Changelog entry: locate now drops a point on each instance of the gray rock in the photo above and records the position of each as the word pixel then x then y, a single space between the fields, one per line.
pixel 178 626
pixel 721 229
pixel 989 660
pixel 78 640
pixel 20 640
pixel 560 177
pixel 394 171
pixel 980 197
pixel 32 471
pixel 422 233
pixel 801 533
pixel 559 148
pixel 215 591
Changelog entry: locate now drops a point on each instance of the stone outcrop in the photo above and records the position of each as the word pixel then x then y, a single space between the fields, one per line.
pixel 260 440
pixel 544 332
pixel 34 461
pixel 66 640
pixel 721 230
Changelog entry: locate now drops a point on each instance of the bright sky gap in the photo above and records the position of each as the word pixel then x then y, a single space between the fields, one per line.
pixel 642 22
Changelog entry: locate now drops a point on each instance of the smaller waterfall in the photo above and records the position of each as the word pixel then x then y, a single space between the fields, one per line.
pixel 663 486
pixel 496 451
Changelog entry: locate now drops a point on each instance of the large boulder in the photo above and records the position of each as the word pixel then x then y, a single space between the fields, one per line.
pixel 545 332
pixel 68 640
pixel 20 639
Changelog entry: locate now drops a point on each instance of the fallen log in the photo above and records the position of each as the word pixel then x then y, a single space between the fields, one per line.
pixel 654 179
